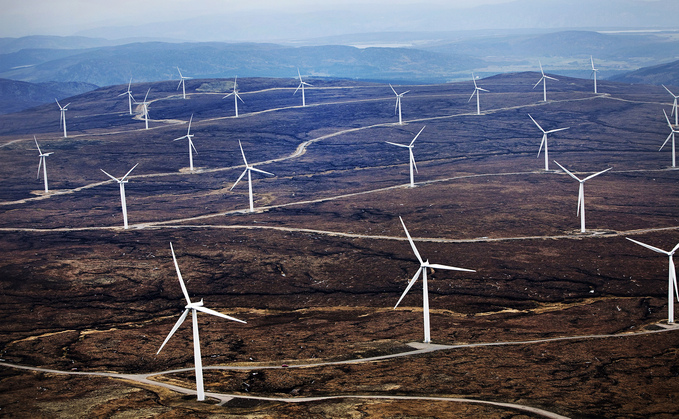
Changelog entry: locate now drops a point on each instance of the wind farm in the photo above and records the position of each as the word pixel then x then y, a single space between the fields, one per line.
pixel 320 254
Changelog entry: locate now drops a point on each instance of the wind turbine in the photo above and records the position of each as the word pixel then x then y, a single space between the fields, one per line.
pixel 194 308
pixel 581 193
pixel 302 83
pixel 543 79
pixel 672 280
pixel 476 92
pixel 236 97
pixel 181 83
pixel 130 98
pixel 412 157
pixel 674 106
pixel 145 109
pixel 248 170
pixel 43 163
pixel 544 141
pixel 425 293
pixel 674 160
pixel 122 181
pixel 192 148
pixel 594 71
pixel 398 103
pixel 62 118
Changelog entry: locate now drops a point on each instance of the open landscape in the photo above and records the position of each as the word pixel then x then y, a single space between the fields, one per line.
pixel 554 322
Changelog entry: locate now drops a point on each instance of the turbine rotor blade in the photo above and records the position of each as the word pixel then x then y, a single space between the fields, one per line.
pixel 450 268
pixel 241 177
pixel 648 246
pixel 410 285
pixel 396 144
pixel 179 275
pixel 174 329
pixel 128 173
pixel 189 130
pixel 218 314
pixel 392 89
pixel 668 138
pixel 112 177
pixel 556 130
pixel 243 153
pixel 418 134
pixel 261 171
pixel 567 171
pixel 412 244
pixel 596 174
pixel 536 123
pixel 542 143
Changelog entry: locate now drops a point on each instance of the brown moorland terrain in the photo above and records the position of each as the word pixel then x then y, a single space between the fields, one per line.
pixel 554 320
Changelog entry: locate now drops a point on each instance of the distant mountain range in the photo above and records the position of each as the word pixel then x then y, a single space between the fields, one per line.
pixel 18 95
pixel 419 57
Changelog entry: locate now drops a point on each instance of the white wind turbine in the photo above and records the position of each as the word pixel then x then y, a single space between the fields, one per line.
pixel 122 181
pixel 192 148
pixel 248 170
pixel 194 308
pixel 477 89
pixel 236 97
pixel 594 71
pixel 581 193
pixel 425 292
pixel 672 280
pixel 398 103
pixel 302 83
pixel 130 98
pixel 145 109
pixel 543 79
pixel 544 141
pixel 412 157
pixel 181 83
pixel 62 118
pixel 674 131
pixel 674 106
pixel 43 163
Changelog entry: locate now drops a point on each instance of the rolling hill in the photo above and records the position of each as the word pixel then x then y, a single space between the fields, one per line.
pixel 18 95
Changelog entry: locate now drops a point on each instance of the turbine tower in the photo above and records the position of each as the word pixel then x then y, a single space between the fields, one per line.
pixel 181 83
pixel 62 118
pixel 122 181
pixel 581 193
pixel 672 280
pixel 302 83
pixel 236 97
pixel 43 163
pixel 477 89
pixel 192 148
pixel 145 109
pixel 412 157
pixel 543 79
pixel 194 308
pixel 425 292
pixel 594 71
pixel 397 107
pixel 674 106
pixel 248 170
pixel 544 141
pixel 673 131
pixel 130 98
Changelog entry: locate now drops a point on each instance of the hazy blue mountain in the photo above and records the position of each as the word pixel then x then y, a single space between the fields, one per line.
pixel 158 61
pixel 18 95
pixel 667 74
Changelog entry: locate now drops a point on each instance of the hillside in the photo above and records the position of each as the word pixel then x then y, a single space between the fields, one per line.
pixel 18 95
pixel 667 74
pixel 550 318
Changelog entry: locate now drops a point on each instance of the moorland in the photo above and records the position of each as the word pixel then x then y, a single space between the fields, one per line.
pixel 553 319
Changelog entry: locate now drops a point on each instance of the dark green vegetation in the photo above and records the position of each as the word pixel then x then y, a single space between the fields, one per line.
pixel 85 294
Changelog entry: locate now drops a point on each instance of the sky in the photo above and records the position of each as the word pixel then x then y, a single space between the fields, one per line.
pixel 68 17
pixel 274 19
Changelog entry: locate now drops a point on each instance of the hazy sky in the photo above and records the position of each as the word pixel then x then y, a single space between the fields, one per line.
pixel 66 17
pixel 290 19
